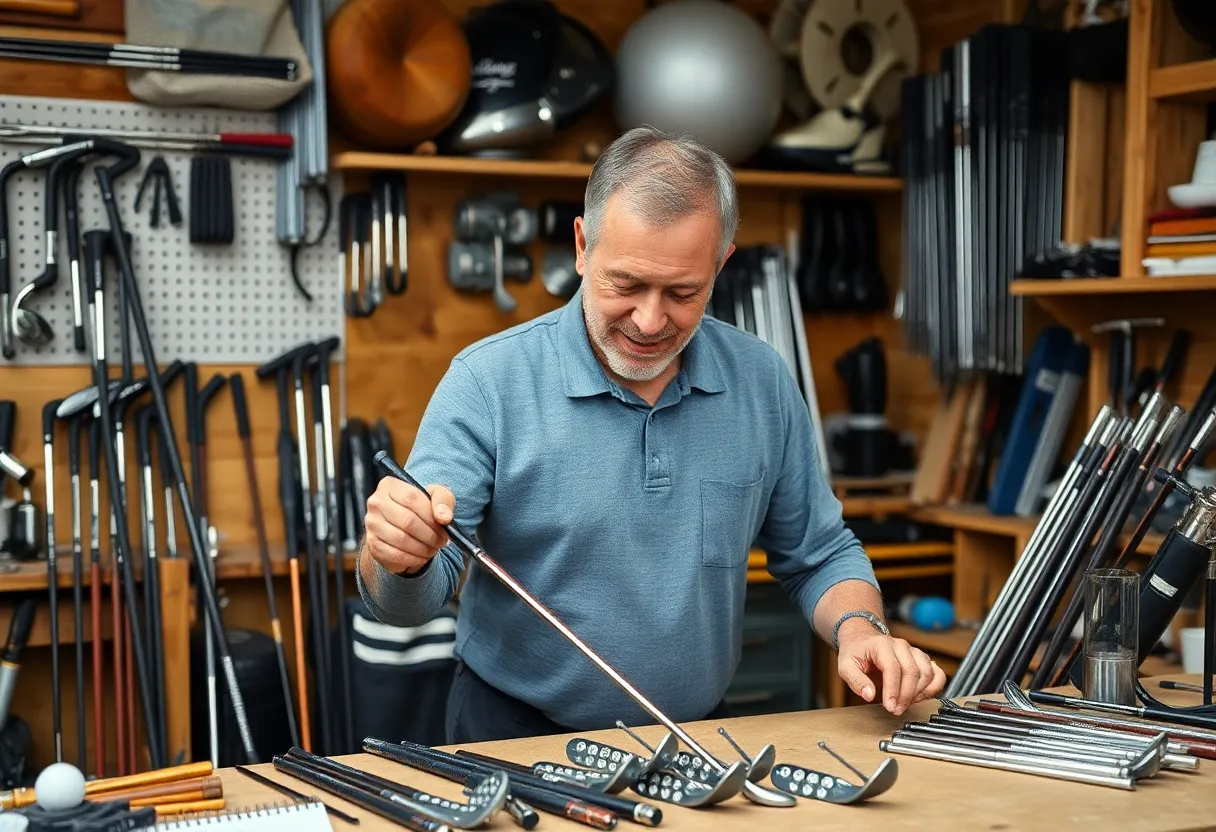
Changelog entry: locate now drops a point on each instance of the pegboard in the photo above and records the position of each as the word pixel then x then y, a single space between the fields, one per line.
pixel 224 304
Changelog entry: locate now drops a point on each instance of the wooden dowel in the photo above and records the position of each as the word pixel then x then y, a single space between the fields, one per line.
pixel 159 789
pixel 148 778
pixel 195 806
pixel 180 797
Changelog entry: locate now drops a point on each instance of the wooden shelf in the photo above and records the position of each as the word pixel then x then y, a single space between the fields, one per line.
pixel 892 561
pixel 976 517
pixel 236 562
pixel 542 169
pixel 1194 81
pixel 1112 286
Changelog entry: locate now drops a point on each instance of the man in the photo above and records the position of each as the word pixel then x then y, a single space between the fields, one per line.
pixel 619 456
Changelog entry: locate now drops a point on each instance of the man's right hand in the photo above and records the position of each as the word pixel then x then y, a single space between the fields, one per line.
pixel 403 529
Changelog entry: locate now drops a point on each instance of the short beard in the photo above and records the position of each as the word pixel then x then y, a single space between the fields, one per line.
pixel 630 367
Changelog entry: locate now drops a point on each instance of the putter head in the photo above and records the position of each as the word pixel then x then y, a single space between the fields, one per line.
pixel 672 787
pixel 762 764
pixel 817 785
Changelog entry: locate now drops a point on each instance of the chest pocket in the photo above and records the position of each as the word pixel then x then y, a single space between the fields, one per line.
pixel 728 514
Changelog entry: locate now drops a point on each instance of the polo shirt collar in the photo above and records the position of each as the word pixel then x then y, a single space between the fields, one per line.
pixel 583 375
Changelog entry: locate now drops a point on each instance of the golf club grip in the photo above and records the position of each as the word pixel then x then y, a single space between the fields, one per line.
pixel 19 630
pixel 237 384
pixel 10 660
pixel 192 408
pixel 451 768
pixel 287 492
pixel 8 420
pixel 353 776
pixel 246 149
pixel 1115 368
pixel 1174 357
pixel 1164 585
pixel 455 532
pixel 324 350
pixel 373 802
pixel 609 802
pixel 206 395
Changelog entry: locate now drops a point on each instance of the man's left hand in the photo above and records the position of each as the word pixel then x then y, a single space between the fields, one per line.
pixel 904 673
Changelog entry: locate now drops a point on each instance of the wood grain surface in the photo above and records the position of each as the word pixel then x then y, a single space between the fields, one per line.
pixel 927 795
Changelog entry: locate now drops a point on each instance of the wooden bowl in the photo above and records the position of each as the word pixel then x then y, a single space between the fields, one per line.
pixel 398 71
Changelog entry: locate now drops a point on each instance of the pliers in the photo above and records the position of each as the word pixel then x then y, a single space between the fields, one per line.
pixel 158 170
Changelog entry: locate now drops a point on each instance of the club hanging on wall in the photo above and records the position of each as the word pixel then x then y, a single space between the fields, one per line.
pixel 125 159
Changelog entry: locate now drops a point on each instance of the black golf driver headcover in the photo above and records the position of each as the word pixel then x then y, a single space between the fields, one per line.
pixel 867 444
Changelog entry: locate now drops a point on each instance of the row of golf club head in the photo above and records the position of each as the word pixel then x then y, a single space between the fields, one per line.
pixel 684 779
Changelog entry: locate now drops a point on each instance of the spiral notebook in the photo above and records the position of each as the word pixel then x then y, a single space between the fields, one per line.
pixel 306 816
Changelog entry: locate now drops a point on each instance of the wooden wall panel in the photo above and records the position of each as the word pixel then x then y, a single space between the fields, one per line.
pixel 396 357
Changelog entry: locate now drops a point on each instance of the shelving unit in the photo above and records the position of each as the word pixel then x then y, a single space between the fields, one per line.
pixel 556 169
pixel 1193 82
pixel 1106 286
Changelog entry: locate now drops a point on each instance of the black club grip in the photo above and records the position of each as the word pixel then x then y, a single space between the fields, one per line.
pixel 237 384
pixel 1165 584
pixel 458 535
pixel 1179 345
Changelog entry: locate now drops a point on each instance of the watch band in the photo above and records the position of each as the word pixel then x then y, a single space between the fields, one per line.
pixel 867 615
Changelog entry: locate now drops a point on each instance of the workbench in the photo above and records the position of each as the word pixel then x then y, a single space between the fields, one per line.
pixel 927 795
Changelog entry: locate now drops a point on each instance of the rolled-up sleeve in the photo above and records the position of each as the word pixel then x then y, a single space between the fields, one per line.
pixel 809 547
pixel 454 447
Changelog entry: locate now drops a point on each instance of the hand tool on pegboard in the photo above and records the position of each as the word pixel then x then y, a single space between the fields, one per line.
pixel 161 178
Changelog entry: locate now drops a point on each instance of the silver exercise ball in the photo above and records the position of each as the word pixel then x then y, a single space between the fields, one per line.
pixel 704 68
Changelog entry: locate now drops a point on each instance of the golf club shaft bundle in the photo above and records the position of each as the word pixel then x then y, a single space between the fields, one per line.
pixel 982 149
pixel 1095 494
pixel 757 291
pixel 159 58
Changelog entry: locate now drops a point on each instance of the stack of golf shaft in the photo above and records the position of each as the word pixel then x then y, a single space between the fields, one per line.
pixel 1028 744
pixel 1057 548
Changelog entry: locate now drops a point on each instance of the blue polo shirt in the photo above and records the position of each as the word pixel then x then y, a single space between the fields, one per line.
pixel 632 523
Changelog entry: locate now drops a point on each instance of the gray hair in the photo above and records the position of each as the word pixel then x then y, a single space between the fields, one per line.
pixel 664 178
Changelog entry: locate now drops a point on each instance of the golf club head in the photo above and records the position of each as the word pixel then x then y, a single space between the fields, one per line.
pixel 30 327
pixel 610 779
pixel 663 754
pixel 763 796
pixel 762 764
pixel 673 787
pixel 816 785
pixel 85 398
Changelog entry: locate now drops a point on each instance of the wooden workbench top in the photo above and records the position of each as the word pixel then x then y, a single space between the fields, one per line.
pixel 928 794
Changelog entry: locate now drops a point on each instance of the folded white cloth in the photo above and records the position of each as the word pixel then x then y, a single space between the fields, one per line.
pixel 249 27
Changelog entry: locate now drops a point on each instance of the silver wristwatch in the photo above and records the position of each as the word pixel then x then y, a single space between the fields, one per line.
pixel 867 615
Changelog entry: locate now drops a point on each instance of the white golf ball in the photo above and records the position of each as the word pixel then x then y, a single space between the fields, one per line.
pixel 59 786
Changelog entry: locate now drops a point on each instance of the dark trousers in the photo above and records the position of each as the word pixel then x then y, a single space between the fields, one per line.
pixel 479 712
